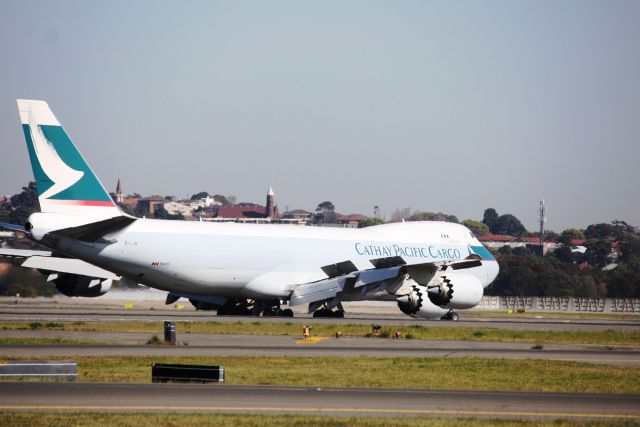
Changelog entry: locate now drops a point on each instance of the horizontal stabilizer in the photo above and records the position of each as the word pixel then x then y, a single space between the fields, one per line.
pixel 13 227
pixel 69 266
pixel 96 231
pixel 22 253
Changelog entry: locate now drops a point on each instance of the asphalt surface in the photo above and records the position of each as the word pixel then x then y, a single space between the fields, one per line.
pixel 133 344
pixel 303 400
pixel 469 319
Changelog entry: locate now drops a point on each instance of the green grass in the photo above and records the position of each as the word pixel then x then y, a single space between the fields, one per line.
pixel 39 341
pixel 465 373
pixel 424 332
pixel 89 419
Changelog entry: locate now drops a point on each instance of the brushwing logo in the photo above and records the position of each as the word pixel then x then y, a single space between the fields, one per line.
pixel 53 166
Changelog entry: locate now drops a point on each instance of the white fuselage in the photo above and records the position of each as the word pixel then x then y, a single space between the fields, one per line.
pixel 260 260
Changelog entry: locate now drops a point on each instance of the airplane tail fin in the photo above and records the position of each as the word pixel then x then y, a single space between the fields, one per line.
pixel 64 181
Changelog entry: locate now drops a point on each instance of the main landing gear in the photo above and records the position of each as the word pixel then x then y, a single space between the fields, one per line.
pixel 325 310
pixel 451 315
pixel 243 307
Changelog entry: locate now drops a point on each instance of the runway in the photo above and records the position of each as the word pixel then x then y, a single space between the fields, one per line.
pixel 313 401
pixel 33 313
pixel 132 344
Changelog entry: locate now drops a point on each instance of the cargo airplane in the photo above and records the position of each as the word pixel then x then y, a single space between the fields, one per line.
pixel 429 268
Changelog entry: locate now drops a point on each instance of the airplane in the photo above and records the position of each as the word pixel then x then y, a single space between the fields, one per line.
pixel 429 268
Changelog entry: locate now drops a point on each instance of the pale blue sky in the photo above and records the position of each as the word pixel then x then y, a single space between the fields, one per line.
pixel 450 106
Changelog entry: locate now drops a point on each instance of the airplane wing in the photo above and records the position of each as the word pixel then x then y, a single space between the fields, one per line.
pixel 386 270
pixel 56 265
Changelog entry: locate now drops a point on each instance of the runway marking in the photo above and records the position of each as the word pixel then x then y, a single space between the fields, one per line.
pixel 311 340
pixel 321 410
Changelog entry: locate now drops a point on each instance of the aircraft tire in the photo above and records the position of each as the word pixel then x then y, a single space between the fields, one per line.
pixel 338 314
pixel 286 313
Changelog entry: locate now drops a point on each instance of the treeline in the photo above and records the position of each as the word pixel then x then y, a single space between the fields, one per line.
pixel 601 261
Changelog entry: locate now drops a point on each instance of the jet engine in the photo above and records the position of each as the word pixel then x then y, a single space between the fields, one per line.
pixel 455 290
pixel 417 304
pixel 74 285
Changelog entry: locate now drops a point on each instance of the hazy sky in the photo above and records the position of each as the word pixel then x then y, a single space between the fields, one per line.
pixel 449 106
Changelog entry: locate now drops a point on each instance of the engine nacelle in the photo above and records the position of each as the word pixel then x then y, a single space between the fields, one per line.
pixel 417 304
pixel 456 290
pixel 73 285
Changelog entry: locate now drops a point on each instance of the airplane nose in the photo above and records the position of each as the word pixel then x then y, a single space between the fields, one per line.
pixel 492 271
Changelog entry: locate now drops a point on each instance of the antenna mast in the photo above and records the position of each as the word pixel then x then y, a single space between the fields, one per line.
pixel 542 211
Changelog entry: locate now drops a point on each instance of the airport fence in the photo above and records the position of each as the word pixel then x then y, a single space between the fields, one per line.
pixel 561 304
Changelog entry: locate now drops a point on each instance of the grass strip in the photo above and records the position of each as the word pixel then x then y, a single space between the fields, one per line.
pixel 465 373
pixel 91 419
pixel 38 341
pixel 428 332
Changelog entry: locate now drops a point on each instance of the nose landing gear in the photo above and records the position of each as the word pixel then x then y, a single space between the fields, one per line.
pixel 451 315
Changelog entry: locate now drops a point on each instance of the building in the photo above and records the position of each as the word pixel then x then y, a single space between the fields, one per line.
pixel 271 210
pixel 148 205
pixel 299 215
pixel 176 208
pixel 204 203
pixel 119 193
pixel 497 241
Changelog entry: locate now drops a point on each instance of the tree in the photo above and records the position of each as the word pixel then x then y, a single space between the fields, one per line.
pixel 563 253
pixel 370 221
pixel 161 213
pixel 550 236
pixel 478 228
pixel 528 275
pixel 225 200
pixel 431 216
pixel 601 231
pixel 598 252
pixel 28 198
pixel 508 224
pixel 200 195
pixel 490 217
pixel 629 247
pixel 24 204
pixel 624 281
pixel 401 214
pixel 571 234
pixel 326 212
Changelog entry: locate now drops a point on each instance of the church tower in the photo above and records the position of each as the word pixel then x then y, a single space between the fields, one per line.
pixel 119 194
pixel 271 210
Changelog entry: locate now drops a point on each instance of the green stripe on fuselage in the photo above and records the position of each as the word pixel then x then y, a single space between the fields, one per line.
pixel 484 253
